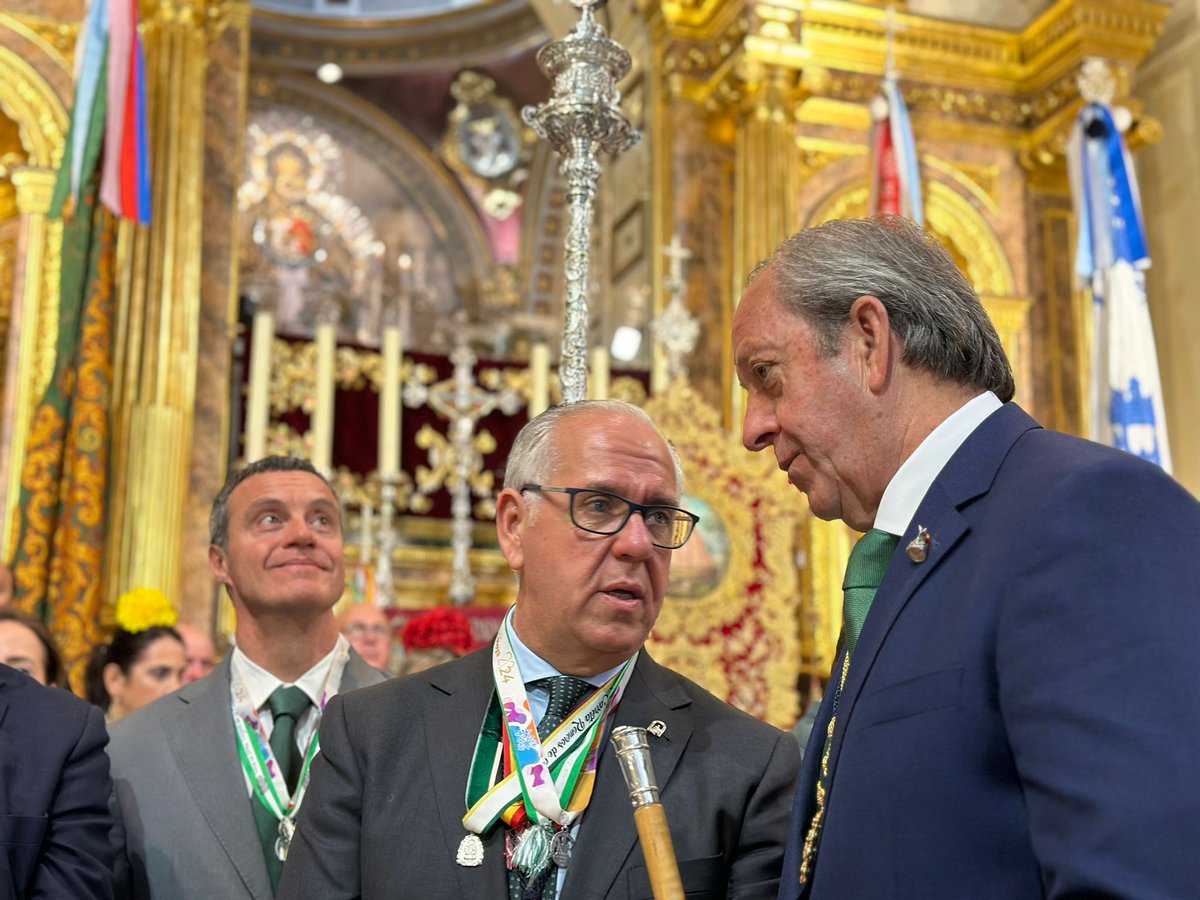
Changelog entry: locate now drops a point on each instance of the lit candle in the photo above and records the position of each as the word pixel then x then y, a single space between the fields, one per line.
pixel 598 378
pixel 258 404
pixel 389 404
pixel 322 419
pixel 539 378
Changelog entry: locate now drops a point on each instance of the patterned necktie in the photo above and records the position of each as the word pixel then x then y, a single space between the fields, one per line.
pixel 287 705
pixel 868 561
pixel 565 694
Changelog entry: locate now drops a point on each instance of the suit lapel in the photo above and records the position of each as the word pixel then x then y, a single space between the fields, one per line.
pixel 211 771
pixel 607 832
pixel 453 717
pixel 969 474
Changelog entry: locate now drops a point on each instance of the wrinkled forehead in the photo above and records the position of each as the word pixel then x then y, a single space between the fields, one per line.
pixel 284 488
pixel 612 452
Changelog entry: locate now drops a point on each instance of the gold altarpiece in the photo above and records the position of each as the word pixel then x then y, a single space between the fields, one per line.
pixel 755 121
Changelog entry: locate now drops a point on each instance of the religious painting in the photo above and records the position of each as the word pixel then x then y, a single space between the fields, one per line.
pixel 331 236
pixel 699 566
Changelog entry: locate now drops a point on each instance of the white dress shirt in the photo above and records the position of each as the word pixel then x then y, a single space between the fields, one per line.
pixel 260 684
pixel 911 482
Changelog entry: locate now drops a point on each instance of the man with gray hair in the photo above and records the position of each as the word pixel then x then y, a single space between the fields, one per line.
pixel 209 779
pixel 1013 708
pixel 490 776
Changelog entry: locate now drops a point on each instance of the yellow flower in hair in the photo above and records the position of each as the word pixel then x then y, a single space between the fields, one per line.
pixel 144 608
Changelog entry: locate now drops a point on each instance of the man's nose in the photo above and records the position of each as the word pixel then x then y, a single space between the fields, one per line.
pixel 634 539
pixel 300 533
pixel 759 426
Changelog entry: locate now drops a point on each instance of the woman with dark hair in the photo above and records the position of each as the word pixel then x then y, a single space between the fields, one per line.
pixel 144 660
pixel 26 644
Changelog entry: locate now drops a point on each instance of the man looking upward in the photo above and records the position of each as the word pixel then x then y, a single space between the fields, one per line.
pixel 209 779
pixel 413 795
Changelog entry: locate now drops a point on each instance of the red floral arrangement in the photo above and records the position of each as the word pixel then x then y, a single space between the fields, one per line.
pixel 441 627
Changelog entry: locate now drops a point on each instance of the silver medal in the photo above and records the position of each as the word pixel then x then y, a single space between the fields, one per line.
pixel 283 843
pixel 470 851
pixel 560 848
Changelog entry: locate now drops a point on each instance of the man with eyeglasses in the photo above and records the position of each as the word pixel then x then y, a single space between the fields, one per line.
pixel 490 776
pixel 367 629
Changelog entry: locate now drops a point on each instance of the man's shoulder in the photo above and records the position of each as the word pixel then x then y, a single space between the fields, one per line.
pixel 45 709
pixel 440 681
pixel 706 705
pixel 175 713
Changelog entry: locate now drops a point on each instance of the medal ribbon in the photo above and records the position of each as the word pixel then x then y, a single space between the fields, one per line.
pixel 552 779
pixel 254 748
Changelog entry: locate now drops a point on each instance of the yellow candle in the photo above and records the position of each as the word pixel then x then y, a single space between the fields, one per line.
pixel 322 419
pixel 258 404
pixel 539 378
pixel 389 404
pixel 660 373
pixel 598 378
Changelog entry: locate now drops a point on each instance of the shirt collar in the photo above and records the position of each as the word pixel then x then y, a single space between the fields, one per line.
pixel 533 668
pixel 911 482
pixel 260 683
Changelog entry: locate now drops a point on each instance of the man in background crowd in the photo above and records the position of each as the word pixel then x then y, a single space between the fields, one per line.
pixel 367 629
pixel 200 652
pixel 208 797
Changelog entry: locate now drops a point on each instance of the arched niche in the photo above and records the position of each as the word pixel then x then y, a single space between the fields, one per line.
pixel 35 89
pixel 402 190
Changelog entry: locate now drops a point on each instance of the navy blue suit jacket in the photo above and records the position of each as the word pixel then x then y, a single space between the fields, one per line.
pixel 1022 713
pixel 54 789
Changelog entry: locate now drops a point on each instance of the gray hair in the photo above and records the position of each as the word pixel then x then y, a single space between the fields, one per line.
pixel 218 519
pixel 533 455
pixel 932 308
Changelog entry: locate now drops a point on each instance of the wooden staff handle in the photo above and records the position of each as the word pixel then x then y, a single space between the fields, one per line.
pixel 659 852
pixel 633 751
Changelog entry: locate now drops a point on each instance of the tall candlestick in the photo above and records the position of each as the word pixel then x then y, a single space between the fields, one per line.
pixel 322 419
pixel 539 378
pixel 258 404
pixel 598 378
pixel 389 404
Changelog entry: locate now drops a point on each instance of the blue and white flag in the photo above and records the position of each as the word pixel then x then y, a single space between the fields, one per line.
pixel 1126 394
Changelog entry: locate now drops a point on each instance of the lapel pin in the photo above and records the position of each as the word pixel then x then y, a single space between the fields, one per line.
pixel 918 547
pixel 657 728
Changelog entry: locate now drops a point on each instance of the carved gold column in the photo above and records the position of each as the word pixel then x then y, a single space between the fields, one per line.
pixel 158 313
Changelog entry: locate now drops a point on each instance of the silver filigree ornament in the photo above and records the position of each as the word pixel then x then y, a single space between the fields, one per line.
pixel 582 118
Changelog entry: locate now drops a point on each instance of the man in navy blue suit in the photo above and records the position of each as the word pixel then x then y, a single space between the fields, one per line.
pixel 54 789
pixel 1014 708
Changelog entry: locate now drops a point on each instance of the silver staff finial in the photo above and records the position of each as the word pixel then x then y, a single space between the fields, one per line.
pixel 581 118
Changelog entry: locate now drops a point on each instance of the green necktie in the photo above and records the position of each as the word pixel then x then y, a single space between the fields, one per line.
pixel 868 561
pixel 287 705
pixel 565 694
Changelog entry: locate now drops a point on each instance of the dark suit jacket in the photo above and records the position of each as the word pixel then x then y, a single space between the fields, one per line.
pixel 189 829
pixel 384 816
pixel 1022 713
pixel 54 787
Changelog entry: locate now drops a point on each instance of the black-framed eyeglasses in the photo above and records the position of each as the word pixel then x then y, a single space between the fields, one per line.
pixel 603 512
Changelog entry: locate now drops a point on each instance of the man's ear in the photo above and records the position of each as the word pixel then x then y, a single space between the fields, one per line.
pixel 511 515
pixel 872 346
pixel 216 565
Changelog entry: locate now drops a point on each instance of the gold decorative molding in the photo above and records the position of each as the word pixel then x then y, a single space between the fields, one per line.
pixel 730 618
pixel 378 46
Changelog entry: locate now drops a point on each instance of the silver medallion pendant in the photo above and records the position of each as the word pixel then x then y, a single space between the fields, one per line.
pixel 560 848
pixel 470 851
pixel 283 843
